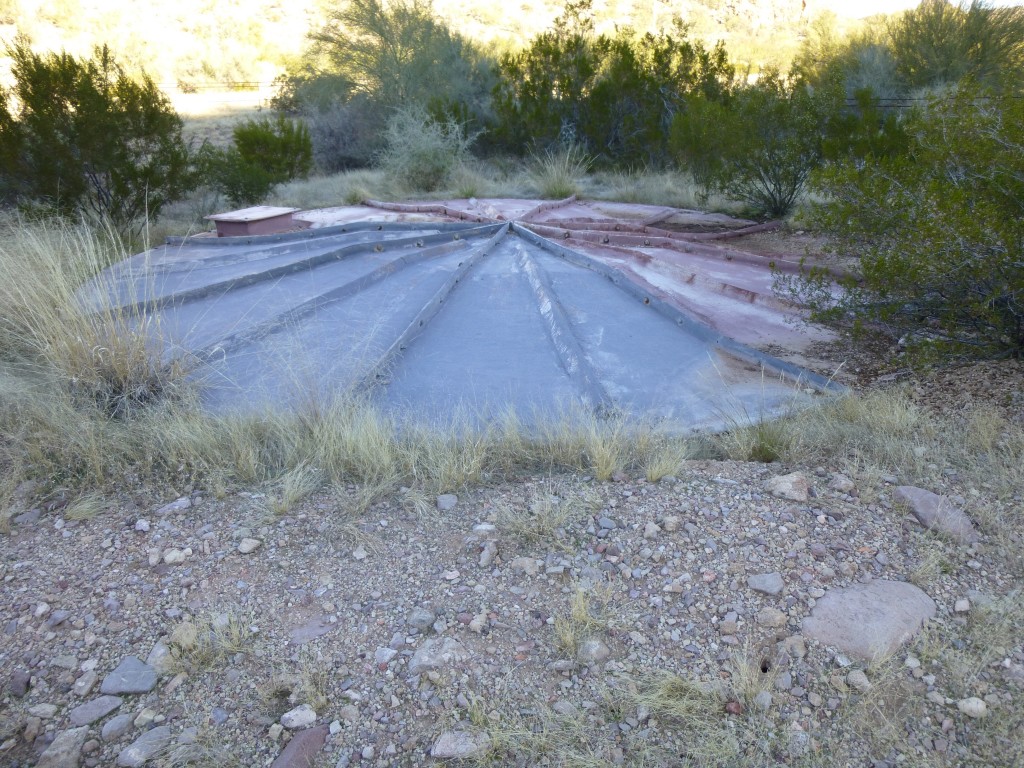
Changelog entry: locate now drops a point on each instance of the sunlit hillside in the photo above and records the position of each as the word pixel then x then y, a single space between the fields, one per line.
pixel 194 42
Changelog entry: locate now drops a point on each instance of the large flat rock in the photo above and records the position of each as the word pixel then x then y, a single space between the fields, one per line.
pixel 870 620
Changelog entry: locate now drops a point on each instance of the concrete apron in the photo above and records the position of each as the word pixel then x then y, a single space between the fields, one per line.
pixel 441 320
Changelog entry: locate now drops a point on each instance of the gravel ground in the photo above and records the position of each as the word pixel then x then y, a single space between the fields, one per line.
pixel 426 628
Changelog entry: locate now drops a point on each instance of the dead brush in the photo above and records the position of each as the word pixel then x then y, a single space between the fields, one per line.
pixel 694 713
pixel 549 509
pixel 205 643
pixel 583 620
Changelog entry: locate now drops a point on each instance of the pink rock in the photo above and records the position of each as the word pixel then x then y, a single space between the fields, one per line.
pixel 794 486
pixel 937 513
pixel 869 620
pixel 302 749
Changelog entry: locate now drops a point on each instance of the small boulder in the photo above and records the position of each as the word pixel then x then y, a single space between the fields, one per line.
pixel 437 653
pixel 937 513
pixel 302 749
pixel 858 680
pixel 772 617
pixel 460 745
pixel 767 583
pixel 302 716
pixel 592 651
pixel 973 707
pixel 116 727
pixel 65 751
pixel 20 680
pixel 795 486
pixel 841 483
pixel 147 746
pixel 869 620
pixel 247 545
pixel 421 618
pixel 131 676
pixel 91 711
pixel 524 565
pixel 178 505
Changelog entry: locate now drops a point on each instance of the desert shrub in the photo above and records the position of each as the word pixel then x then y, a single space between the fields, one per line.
pixel 399 53
pixel 699 143
pixel 864 128
pixel 80 135
pixel 371 58
pixel 614 95
pixel 421 151
pixel 926 48
pixel 540 97
pixel 758 147
pixel 226 172
pixel 264 153
pixel 279 146
pixel 938 231
pixel 939 43
pixel 347 135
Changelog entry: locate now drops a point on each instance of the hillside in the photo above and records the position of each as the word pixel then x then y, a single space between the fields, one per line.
pixel 202 41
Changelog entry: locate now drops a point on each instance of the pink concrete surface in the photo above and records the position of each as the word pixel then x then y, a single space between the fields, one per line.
pixel 682 256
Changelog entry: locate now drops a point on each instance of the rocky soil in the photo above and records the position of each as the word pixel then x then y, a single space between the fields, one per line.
pixel 176 628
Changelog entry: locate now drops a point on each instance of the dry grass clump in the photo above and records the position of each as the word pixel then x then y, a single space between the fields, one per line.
pixel 206 749
pixel 652 187
pixel 583 620
pixel 93 352
pixel 667 458
pixel 551 506
pixel 204 643
pixel 568 738
pixel 558 173
pixel 761 439
pixel 86 507
pixel 694 714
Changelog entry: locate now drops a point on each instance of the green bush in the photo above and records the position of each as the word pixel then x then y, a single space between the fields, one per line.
pixel 939 43
pixel 242 183
pixel 759 146
pixel 80 135
pixel 372 57
pixel 938 230
pixel 265 153
pixel 280 147
pixel 421 151
pixel 613 95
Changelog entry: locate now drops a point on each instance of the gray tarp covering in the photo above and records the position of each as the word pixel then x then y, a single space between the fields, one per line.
pixel 432 316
